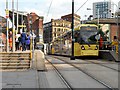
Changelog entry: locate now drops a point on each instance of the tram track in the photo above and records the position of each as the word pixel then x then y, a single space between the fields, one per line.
pixel 61 76
pixel 104 66
pixel 88 74
pixel 100 64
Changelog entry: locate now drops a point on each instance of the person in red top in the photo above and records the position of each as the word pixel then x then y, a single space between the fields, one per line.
pixel 10 40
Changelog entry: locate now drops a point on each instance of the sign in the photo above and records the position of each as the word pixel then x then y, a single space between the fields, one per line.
pixel 88 28
pixel 7 13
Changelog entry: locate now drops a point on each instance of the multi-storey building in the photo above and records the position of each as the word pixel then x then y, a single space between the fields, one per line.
pixel 36 25
pixel 54 29
pixel 103 9
pixel 69 18
pixel 119 4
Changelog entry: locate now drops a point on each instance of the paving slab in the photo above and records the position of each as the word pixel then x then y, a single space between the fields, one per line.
pixel 20 79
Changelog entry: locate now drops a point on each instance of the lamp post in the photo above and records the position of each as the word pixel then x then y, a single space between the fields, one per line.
pixel 117 22
pixel 72 56
pixel 117 34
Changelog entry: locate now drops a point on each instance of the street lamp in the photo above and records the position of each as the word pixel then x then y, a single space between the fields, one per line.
pixel 116 14
pixel 72 56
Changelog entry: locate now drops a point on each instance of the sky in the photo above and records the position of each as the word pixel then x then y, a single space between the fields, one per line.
pixel 58 7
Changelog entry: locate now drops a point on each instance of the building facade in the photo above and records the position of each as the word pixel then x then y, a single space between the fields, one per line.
pixel 35 24
pixel 2 30
pixel 69 18
pixel 119 8
pixel 54 29
pixel 119 5
pixel 103 9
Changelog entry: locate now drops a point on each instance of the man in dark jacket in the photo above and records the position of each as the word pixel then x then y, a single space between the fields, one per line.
pixel 23 41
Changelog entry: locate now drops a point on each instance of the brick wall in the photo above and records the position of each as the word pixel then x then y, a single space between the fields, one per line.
pixel 37 24
pixel 113 32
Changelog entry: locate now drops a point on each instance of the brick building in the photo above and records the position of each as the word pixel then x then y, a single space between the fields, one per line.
pixel 55 28
pixel 35 23
pixel 3 29
pixel 69 18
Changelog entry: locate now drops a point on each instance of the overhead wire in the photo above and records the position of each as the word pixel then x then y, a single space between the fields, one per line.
pixel 81 6
pixel 49 10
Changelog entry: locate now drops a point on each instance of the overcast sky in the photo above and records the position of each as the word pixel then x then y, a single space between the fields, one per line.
pixel 58 7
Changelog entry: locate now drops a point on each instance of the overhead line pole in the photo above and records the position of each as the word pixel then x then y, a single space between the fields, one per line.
pixel 72 56
pixel 7 15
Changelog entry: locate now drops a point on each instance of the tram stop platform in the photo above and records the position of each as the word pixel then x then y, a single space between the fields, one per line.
pixel 109 55
pixel 23 78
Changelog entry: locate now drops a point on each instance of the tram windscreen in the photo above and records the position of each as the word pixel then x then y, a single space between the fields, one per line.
pixel 87 35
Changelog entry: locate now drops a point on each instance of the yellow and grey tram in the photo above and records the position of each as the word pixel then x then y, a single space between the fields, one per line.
pixel 85 44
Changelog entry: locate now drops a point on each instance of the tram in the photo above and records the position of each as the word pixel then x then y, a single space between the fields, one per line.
pixel 85 42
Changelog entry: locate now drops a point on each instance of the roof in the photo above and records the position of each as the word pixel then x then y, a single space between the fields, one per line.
pixel 71 15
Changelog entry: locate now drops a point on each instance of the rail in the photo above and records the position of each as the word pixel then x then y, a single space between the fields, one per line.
pixel 61 76
pixel 101 82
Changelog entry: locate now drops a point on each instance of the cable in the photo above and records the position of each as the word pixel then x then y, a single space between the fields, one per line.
pixel 81 6
pixel 48 10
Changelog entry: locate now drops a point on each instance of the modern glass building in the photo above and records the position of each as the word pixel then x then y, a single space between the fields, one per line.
pixel 103 9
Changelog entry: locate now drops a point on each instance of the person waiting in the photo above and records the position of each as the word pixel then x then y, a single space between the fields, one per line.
pixel 28 42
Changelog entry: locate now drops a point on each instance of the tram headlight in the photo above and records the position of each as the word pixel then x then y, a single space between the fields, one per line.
pixel 82 47
pixel 96 48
